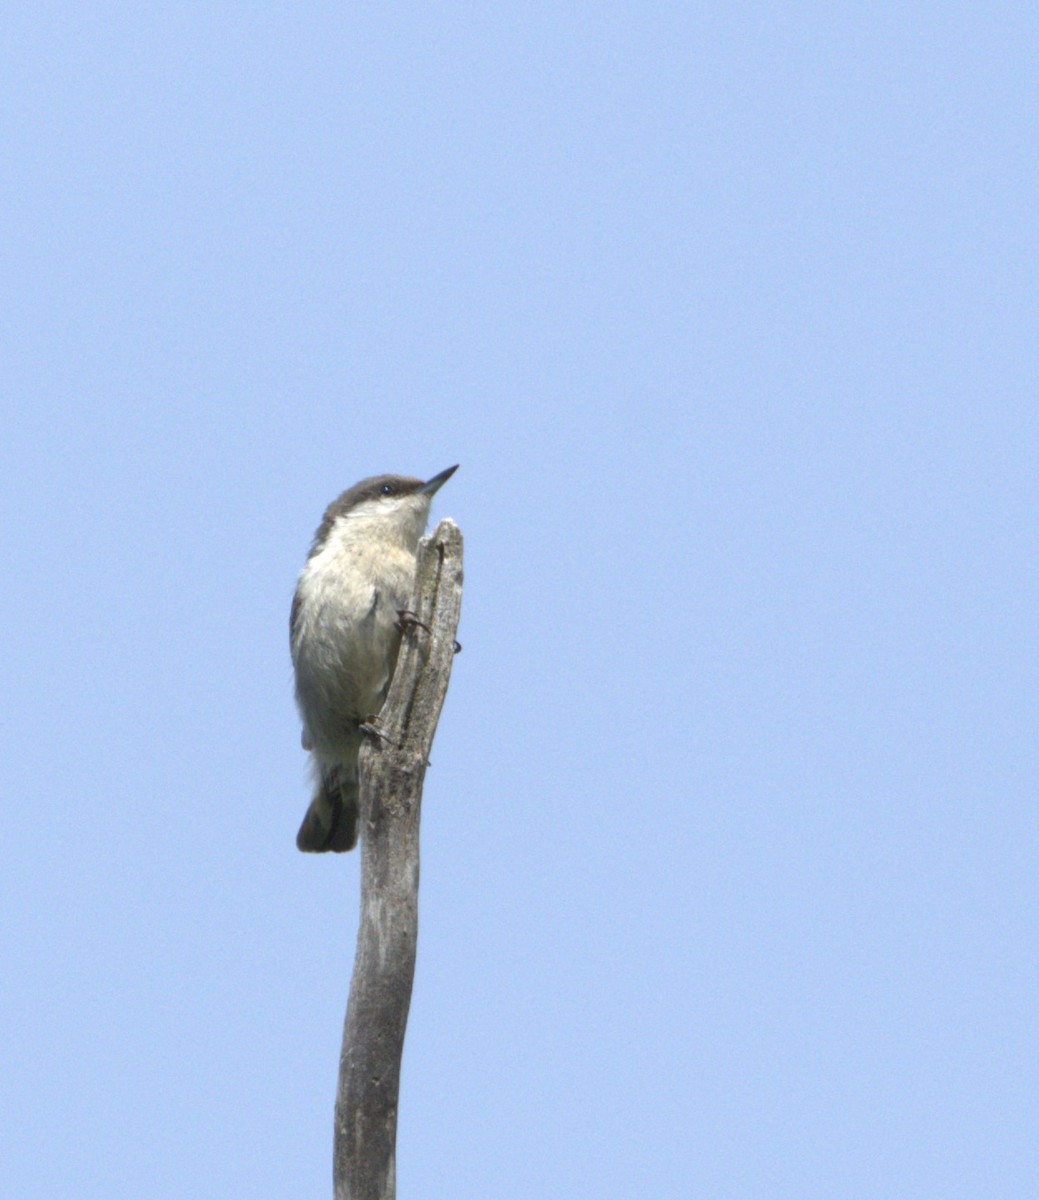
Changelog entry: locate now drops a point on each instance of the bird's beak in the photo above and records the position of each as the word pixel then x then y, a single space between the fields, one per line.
pixel 438 481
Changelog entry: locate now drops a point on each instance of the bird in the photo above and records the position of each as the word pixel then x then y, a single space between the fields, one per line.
pixel 344 635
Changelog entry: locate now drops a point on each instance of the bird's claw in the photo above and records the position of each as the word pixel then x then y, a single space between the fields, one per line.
pixel 370 728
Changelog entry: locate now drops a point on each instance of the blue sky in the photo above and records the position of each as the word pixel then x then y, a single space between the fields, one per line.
pixel 729 847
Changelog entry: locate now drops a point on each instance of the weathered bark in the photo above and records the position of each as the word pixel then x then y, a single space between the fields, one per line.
pixel 393 767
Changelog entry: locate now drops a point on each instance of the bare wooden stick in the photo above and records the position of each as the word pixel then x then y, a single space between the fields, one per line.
pixel 393 767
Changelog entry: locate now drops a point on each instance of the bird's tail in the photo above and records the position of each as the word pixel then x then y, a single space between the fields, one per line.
pixel 331 820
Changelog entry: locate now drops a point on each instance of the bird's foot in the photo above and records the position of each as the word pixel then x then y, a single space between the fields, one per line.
pixel 406 617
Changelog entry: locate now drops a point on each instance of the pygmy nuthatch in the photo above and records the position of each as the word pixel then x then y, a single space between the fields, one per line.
pixel 345 634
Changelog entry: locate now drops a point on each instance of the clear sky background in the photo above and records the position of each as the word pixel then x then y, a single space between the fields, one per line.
pixel 729 314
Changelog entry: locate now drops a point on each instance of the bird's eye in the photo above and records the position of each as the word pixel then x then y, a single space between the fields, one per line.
pixel 387 489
